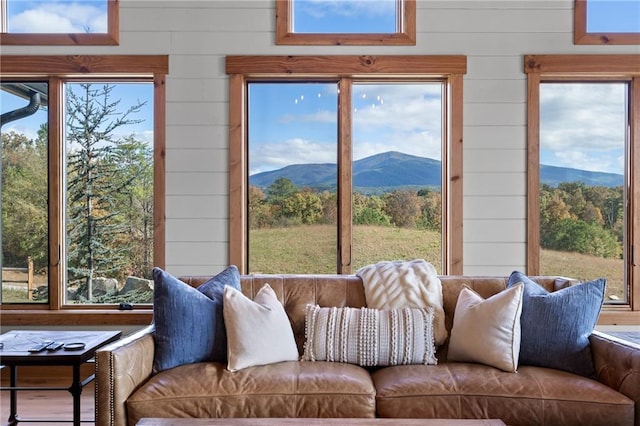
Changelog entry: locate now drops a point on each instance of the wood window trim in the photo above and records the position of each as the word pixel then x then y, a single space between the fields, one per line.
pixel 110 38
pixel 581 36
pixel 243 68
pixel 551 67
pixel 404 37
pixel 54 68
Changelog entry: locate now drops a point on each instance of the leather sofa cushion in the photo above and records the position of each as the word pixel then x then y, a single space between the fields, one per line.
pixel 287 389
pixel 532 396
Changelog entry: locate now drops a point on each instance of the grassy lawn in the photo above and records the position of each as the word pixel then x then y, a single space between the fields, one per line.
pixel 311 249
pixel 585 268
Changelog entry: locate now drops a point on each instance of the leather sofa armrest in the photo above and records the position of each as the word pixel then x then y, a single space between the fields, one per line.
pixel 121 368
pixel 617 364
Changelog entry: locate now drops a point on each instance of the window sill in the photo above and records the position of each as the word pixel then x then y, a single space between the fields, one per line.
pixel 618 317
pixel 76 317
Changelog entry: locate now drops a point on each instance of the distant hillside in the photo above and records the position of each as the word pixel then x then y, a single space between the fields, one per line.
pixel 392 170
pixel 552 175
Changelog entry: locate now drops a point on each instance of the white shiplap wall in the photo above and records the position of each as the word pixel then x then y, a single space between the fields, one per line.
pixel 495 35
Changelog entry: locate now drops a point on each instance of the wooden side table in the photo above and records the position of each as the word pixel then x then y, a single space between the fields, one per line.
pixel 14 352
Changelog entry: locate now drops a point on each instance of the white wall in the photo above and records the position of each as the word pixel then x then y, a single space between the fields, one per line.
pixel 495 35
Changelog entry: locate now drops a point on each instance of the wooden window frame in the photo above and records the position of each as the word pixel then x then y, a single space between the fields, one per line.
pixel 581 36
pixel 242 69
pixel 540 68
pixel 110 38
pixel 56 70
pixel 405 36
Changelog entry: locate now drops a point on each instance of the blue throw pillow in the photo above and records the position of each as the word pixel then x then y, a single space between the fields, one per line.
pixel 188 321
pixel 555 326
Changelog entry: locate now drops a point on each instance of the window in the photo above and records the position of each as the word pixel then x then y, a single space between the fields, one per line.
pixel 583 203
pixel 82 182
pixel 349 22
pixel 606 22
pixel 333 170
pixel 59 22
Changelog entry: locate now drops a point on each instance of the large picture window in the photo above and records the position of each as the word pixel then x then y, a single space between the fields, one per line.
pixel 59 22
pixel 330 173
pixel 82 199
pixel 583 192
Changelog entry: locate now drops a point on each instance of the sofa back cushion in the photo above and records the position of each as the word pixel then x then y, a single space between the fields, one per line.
pixel 295 292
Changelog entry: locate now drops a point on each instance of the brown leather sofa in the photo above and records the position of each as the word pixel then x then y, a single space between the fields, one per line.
pixel 127 389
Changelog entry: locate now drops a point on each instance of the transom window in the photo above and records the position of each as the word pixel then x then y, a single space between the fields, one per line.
pixel 59 22
pixel 346 22
pixel 607 22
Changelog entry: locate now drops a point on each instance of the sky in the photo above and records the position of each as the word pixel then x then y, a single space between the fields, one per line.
pixel 298 123
pixel 128 93
pixel 57 16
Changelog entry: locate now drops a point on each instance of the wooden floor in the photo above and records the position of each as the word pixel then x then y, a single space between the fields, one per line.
pixel 56 405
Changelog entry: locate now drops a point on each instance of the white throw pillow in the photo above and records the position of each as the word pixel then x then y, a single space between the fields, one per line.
pixel 487 331
pixel 258 331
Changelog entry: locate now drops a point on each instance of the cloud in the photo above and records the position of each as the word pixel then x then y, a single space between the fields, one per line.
pixel 323 8
pixel 386 117
pixel 277 155
pixel 60 17
pixel 582 125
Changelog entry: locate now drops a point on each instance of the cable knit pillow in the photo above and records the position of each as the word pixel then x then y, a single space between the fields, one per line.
pixel 487 331
pixel 398 284
pixel 258 330
pixel 556 325
pixel 369 337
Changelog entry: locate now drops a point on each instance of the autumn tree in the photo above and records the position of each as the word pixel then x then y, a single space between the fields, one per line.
pixel 258 209
pixel 369 210
pixel 404 207
pixel 24 199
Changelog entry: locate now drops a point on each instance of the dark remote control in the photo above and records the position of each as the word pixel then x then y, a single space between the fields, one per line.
pixel 54 346
pixel 40 346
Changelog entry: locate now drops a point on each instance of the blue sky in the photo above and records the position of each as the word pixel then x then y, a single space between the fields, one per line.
pixel 296 123
pixel 128 93
pixel 340 16
pixel 57 16
pixel 613 16
pixel 582 125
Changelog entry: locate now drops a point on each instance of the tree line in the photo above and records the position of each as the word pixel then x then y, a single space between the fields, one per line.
pixel 584 219
pixel 284 204
pixel 573 216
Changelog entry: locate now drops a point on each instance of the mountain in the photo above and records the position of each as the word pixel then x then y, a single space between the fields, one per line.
pixel 552 175
pixel 392 170
pixel 387 170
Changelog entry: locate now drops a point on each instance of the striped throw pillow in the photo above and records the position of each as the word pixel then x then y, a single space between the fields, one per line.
pixel 369 337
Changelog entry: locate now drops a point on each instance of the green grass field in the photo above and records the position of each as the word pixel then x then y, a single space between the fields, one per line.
pixel 311 249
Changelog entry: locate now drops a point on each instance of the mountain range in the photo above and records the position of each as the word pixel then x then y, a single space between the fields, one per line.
pixel 393 170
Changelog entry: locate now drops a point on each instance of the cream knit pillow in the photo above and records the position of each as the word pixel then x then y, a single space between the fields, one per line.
pixel 398 284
